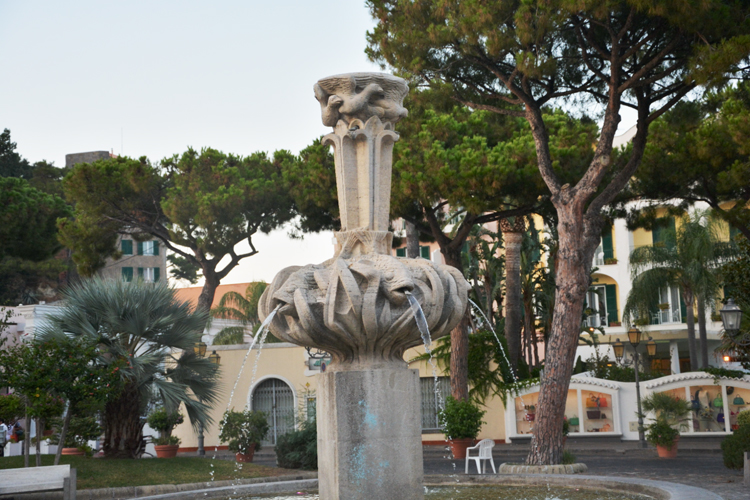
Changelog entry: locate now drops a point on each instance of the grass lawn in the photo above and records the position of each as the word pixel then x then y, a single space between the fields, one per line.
pixel 102 473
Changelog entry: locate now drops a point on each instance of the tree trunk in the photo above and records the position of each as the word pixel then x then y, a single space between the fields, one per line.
pixel 690 320
pixel 459 367
pixel 513 236
pixel 702 331
pixel 206 298
pixel 26 439
pixel 39 436
pixel 63 434
pixel 572 265
pixel 123 428
pixel 412 241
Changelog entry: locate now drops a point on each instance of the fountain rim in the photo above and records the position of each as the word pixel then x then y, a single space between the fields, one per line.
pixel 662 490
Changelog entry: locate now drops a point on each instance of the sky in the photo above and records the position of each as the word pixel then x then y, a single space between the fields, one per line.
pixel 156 77
pixel 152 78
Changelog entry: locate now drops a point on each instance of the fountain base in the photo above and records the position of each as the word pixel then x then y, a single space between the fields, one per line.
pixel 369 434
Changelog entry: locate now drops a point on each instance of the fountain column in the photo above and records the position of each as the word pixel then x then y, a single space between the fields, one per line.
pixel 355 306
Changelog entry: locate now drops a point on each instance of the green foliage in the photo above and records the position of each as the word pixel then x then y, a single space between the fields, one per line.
pixel 661 433
pixel 242 309
pixel 298 449
pixel 565 428
pixel 11 163
pixel 673 410
pixel 568 457
pixel 723 372
pixel 733 447
pixel 489 373
pixel 143 326
pixel 28 220
pixel 183 269
pixel 461 419
pixel 11 407
pixel 26 282
pixel 241 429
pixel 80 430
pixel 163 421
pixel 706 142
pixel 743 419
pixel 200 204
pixel 167 440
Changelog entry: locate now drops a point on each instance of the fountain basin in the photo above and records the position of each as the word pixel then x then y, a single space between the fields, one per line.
pixel 603 486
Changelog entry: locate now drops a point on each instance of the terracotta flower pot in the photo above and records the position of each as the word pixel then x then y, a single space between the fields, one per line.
pixel 667 452
pixel 458 447
pixel 73 451
pixel 246 457
pixel 166 450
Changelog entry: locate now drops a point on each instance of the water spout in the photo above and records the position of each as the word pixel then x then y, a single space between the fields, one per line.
pixel 425 331
pixel 502 349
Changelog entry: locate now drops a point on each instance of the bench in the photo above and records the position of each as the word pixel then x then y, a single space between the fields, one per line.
pixel 39 479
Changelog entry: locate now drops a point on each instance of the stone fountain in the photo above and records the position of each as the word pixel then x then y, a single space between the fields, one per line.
pixel 355 306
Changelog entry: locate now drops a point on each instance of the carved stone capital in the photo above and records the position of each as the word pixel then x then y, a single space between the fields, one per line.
pixel 360 96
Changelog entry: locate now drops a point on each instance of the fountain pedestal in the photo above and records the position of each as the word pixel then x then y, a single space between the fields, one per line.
pixel 356 306
pixel 369 441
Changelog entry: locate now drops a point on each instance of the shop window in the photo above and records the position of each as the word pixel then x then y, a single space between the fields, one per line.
pixel 707 413
pixel 597 412
pixel 432 398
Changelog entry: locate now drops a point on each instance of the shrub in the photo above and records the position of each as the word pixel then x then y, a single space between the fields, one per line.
pixel 241 429
pixel 167 441
pixel 660 433
pixel 163 421
pixel 299 449
pixel 461 419
pixel 11 407
pixel 568 458
pixel 743 419
pixel 80 431
pixel 733 447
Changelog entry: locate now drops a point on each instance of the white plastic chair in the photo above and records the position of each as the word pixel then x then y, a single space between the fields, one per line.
pixel 484 448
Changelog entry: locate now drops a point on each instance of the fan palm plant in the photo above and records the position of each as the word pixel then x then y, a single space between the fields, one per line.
pixel 688 259
pixel 143 324
pixel 241 309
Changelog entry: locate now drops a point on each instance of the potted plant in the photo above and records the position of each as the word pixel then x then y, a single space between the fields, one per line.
pixel 81 430
pixel 671 413
pixel 243 431
pixel 610 261
pixel 166 445
pixel 461 421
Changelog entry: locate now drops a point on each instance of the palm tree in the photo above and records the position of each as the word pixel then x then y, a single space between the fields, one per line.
pixel 687 259
pixel 513 230
pixel 143 324
pixel 242 309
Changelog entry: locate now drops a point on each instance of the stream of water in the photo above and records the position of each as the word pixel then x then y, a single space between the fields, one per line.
pixel 500 345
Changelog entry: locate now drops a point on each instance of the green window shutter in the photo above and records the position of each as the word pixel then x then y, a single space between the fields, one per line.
pixel 140 248
pixel 127 247
pixel 140 272
pixel 665 235
pixel 127 274
pixel 609 251
pixel 156 247
pixel 611 292
pixel 401 252
pixel 424 252
pixel 157 271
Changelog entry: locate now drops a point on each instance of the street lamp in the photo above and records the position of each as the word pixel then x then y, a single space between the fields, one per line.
pixel 651 347
pixel 634 337
pixel 200 349
pixel 619 349
pixel 214 358
pixel 731 317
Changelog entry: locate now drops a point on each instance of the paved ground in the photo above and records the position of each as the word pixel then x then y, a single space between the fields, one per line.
pixel 699 465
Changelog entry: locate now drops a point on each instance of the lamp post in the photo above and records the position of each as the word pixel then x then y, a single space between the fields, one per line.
pixel 634 337
pixel 731 317
pixel 200 350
